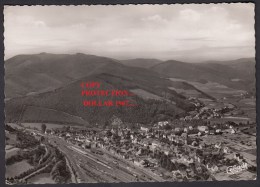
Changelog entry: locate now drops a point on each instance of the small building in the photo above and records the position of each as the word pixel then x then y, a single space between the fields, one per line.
pixel 238 157
pixel 144 129
pixel 226 150
pixel 212 167
pixel 163 123
pixel 202 128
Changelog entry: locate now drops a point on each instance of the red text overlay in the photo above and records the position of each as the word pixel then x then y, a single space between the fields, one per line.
pixel 94 95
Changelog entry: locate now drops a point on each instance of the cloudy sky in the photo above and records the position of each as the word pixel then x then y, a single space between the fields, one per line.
pixel 183 32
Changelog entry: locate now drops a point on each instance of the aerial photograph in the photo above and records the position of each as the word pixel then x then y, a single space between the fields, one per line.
pixel 130 93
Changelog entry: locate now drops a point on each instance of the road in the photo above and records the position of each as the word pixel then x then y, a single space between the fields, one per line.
pixel 92 168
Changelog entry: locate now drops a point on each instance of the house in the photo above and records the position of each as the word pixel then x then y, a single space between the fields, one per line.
pixel 201 145
pixel 80 138
pixel 188 118
pixel 164 136
pixel 139 163
pixel 197 159
pixel 194 143
pixel 202 128
pixel 218 131
pixel 121 133
pixel 155 144
pixel 163 123
pixel 238 157
pixel 135 141
pixel 86 145
pixel 33 134
pixel 226 150
pixel 212 168
pixel 217 145
pixel 184 135
pixel 231 131
pixel 115 121
pixel 145 129
pixel 152 162
pixel 190 173
pixel 165 150
pixel 145 142
pixel 196 117
pixel 184 159
pixel 177 174
pixel 101 145
pixel 171 137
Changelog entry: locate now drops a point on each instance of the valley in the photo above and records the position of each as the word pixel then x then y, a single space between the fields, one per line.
pixel 178 110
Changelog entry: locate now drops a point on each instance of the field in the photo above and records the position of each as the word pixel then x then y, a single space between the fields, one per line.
pixel 186 92
pixel 185 88
pixel 43 178
pixel 39 114
pixel 251 131
pixel 248 101
pixel 8 147
pixel 248 105
pixel 145 95
pixel 244 109
pixel 48 125
pixel 234 119
pixel 245 175
pixel 217 90
pixel 11 138
pixel 14 125
pixel 10 152
pixel 17 168
pixel 251 151
pixel 214 89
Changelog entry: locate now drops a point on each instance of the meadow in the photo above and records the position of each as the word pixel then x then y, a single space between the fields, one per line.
pixel 43 178
pixel 17 168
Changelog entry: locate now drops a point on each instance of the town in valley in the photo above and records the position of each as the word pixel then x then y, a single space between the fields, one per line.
pixel 205 145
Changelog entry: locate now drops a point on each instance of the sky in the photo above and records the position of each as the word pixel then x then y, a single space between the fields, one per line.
pixel 191 32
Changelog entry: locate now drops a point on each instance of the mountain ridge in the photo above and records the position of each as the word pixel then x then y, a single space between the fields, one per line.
pixel 31 74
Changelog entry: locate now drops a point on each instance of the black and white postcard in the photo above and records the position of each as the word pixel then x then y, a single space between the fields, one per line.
pixel 130 93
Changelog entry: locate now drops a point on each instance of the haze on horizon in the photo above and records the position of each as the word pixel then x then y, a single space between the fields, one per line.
pixel 190 32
